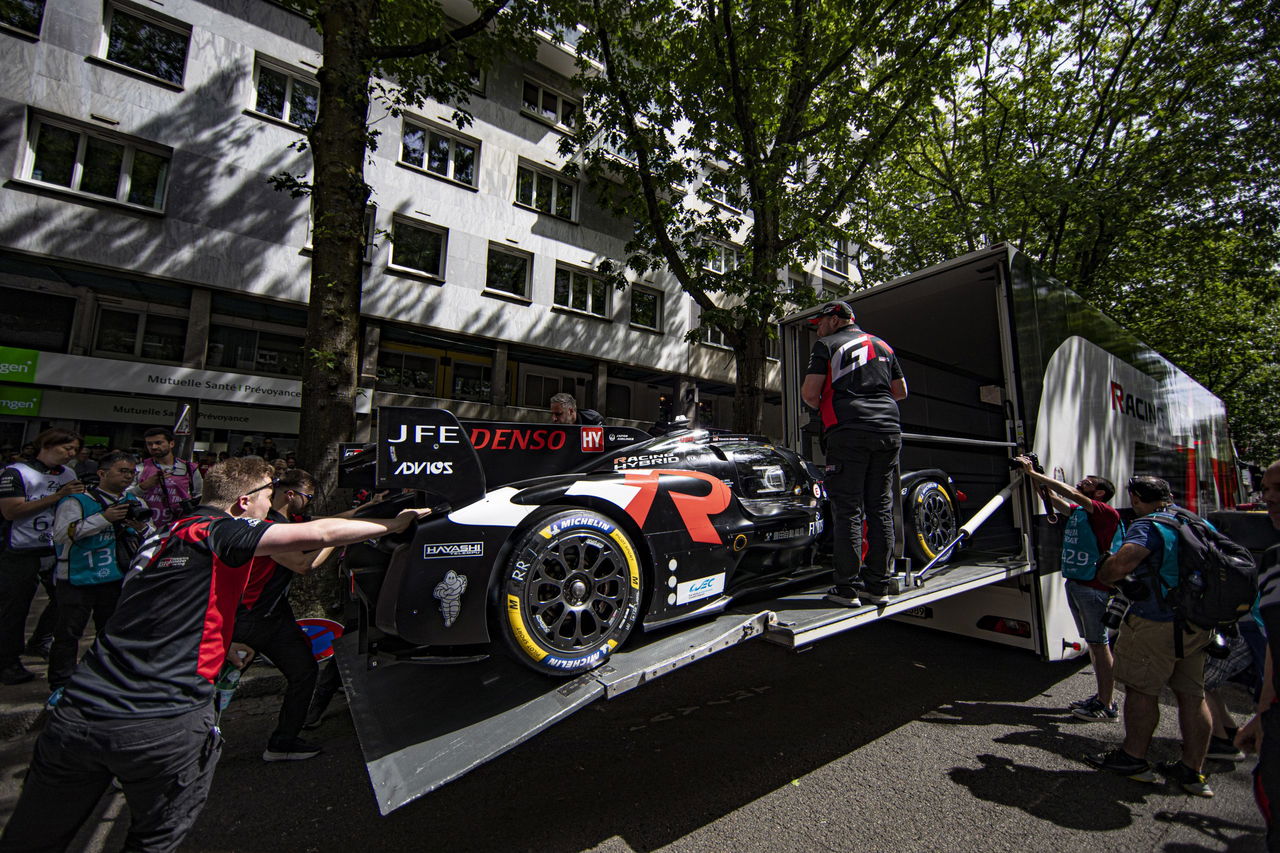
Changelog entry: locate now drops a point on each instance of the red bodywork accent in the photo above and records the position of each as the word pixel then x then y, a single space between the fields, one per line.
pixel 695 510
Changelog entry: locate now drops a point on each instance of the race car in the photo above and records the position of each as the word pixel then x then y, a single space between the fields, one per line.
pixel 563 539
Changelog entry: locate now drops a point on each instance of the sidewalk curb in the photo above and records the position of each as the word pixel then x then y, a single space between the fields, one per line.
pixel 19 718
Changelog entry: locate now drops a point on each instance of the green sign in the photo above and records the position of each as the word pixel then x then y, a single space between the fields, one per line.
pixel 19 401
pixel 18 365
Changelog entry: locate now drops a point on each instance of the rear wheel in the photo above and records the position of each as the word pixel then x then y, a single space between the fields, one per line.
pixel 571 593
pixel 930 516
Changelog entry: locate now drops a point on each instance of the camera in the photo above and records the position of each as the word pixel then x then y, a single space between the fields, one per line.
pixel 1117 607
pixel 1014 464
pixel 1132 588
pixel 135 511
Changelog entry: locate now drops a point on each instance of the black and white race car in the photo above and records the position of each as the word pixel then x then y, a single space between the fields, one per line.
pixel 563 539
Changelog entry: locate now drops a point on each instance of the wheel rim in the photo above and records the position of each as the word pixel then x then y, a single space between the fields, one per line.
pixel 577 591
pixel 937 520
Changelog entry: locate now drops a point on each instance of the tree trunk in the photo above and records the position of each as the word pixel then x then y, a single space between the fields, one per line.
pixel 338 201
pixel 748 386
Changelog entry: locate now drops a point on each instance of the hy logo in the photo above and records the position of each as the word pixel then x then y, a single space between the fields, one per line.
pixel 592 439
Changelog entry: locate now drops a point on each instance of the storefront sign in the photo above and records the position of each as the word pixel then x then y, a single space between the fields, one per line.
pixel 77 371
pixel 19 401
pixel 101 407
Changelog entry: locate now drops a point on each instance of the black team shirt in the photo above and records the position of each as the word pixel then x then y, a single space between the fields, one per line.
pixel 163 646
pixel 859 370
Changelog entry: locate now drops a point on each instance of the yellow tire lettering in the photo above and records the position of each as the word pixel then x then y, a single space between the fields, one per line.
pixel 516 621
pixel 633 565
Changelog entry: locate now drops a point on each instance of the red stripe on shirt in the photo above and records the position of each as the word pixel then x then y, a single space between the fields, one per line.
pixel 226 587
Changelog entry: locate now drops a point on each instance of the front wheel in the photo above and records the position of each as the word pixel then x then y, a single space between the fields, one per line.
pixel 930 516
pixel 571 593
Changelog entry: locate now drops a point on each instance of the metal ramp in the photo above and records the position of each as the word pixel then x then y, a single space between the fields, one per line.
pixel 803 617
pixel 422 726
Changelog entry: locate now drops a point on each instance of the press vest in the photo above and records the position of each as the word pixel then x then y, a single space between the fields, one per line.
pixel 34 533
pixel 1080 550
pixel 93 559
pixel 166 498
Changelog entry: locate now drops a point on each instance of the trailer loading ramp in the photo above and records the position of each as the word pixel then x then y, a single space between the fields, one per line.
pixel 421 727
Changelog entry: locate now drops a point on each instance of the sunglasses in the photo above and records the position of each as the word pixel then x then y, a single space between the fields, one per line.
pixel 271 485
pixel 309 497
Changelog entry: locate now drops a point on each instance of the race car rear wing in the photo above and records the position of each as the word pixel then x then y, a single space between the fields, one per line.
pixel 430 450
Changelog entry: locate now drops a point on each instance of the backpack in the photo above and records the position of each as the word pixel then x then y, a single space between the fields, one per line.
pixel 1217 577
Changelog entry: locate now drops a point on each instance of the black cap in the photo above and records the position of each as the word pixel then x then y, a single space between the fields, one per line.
pixel 832 309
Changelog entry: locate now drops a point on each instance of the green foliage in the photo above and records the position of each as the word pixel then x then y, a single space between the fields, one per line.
pixel 757 124
pixel 1130 148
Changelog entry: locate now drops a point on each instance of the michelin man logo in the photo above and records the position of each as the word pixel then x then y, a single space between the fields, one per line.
pixel 450 591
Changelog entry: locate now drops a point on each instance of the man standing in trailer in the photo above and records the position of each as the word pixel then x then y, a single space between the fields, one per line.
pixel 855 382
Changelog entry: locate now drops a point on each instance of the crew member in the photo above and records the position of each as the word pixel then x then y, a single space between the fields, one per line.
pixel 29 491
pixel 97 532
pixel 140 706
pixel 855 381
pixel 564 410
pixel 1146 653
pixel 265 622
pixel 1090 531
pixel 169 485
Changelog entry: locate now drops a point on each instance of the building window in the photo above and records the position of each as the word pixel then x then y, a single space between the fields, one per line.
pixel 836 257
pixel 370 222
pixel 545 193
pixel 581 292
pixel 472 382
pixel 713 336
pixel 286 96
pixel 715 191
pixel 24 15
pixel 406 373
pixel 508 272
pixel 237 348
pixel 146 45
pixel 646 308
pixel 36 320
pixel 112 169
pixel 439 153
pixel 617 400
pixel 541 102
pixel 723 258
pixel 149 336
pixel 418 247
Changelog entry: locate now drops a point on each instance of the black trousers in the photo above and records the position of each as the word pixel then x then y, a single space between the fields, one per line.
pixel 164 765
pixel 276 634
pixel 859 482
pixel 19 574
pixel 76 605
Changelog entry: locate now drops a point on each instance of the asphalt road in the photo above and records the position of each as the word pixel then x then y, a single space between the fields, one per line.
pixel 888 738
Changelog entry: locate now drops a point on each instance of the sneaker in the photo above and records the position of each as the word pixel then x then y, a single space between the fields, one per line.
pixel 16 674
pixel 843 597
pixel 52 701
pixel 1080 703
pixel 1095 710
pixel 879 599
pixel 290 749
pixel 1194 783
pixel 1122 763
pixel 1224 749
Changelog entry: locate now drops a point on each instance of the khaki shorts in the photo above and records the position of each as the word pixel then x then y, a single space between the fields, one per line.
pixel 1145 660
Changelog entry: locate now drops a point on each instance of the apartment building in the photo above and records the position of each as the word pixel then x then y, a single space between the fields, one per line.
pixel 145 259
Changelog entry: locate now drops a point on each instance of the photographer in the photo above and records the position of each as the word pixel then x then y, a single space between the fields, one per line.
pixel 1148 652
pixel 1090 531
pixel 97 533
pixel 170 486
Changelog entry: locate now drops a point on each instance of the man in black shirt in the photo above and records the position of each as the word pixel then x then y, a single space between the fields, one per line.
pixel 564 410
pixel 855 382
pixel 140 706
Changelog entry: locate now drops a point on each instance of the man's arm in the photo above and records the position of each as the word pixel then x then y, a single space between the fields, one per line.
pixel 331 532
pixel 811 390
pixel 1069 492
pixel 1122 562
pixel 197 481
pixel 898 388
pixel 14 508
